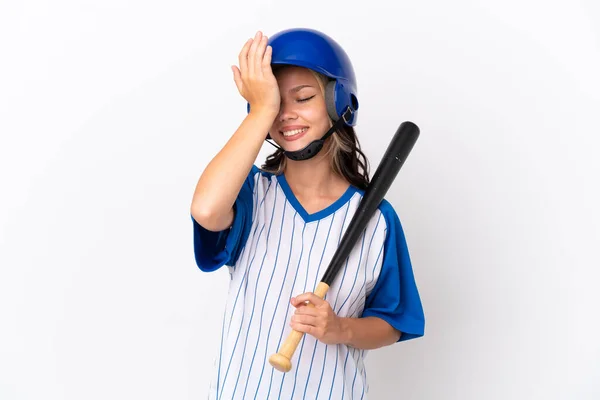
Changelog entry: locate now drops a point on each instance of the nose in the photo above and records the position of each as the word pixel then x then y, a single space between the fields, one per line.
pixel 287 111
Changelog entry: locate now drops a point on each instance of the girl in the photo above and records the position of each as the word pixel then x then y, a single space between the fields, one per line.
pixel 276 228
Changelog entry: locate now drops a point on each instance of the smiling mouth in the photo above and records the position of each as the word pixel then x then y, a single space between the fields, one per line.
pixel 294 132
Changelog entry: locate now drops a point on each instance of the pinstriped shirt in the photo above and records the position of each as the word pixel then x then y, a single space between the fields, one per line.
pixel 276 250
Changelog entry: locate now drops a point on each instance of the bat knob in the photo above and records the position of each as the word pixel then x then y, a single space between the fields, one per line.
pixel 280 363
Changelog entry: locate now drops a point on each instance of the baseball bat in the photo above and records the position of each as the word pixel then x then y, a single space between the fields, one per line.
pixel 393 159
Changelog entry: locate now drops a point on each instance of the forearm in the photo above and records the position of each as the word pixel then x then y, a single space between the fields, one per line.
pixel 368 333
pixel 223 177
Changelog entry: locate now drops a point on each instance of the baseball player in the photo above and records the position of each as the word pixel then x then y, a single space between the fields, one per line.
pixel 277 227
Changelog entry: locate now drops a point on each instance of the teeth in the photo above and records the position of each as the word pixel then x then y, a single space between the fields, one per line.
pixel 294 132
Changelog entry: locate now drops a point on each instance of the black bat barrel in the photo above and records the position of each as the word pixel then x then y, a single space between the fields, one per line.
pixel 398 150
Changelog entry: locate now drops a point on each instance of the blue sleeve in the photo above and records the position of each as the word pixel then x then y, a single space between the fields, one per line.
pixel 212 249
pixel 395 297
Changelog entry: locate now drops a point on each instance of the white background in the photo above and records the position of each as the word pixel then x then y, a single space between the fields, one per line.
pixel 110 110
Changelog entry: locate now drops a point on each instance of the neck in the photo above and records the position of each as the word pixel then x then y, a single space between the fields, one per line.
pixel 314 177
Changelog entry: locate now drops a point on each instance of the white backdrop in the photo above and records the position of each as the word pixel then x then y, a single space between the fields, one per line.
pixel 110 110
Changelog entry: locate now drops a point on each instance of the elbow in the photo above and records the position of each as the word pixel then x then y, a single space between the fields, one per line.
pixel 208 218
pixel 392 334
pixel 203 215
pixel 396 335
pixel 392 337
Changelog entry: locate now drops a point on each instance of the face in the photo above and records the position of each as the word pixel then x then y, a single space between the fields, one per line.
pixel 303 114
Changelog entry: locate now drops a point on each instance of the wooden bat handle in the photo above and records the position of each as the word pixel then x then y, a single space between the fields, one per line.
pixel 282 359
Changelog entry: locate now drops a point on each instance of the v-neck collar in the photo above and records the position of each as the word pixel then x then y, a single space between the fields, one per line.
pixel 332 208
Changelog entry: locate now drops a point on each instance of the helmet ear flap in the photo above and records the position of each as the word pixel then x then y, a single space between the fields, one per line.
pixel 330 100
pixel 336 95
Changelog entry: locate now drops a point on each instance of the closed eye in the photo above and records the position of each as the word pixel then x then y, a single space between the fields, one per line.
pixel 306 99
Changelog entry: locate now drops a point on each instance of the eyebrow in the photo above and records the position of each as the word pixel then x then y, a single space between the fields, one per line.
pixel 298 88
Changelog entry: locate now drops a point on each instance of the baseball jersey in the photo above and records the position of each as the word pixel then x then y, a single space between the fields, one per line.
pixel 275 250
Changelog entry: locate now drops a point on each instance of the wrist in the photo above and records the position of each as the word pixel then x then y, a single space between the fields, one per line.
pixel 345 331
pixel 258 124
pixel 266 115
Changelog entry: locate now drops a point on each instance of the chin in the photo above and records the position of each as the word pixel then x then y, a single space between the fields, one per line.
pixel 297 144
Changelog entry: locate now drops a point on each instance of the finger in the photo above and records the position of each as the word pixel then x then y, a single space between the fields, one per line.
pixel 260 53
pixel 309 329
pixel 314 311
pixel 252 53
pixel 268 56
pixel 305 319
pixel 311 297
pixel 297 303
pixel 243 57
pixel 266 62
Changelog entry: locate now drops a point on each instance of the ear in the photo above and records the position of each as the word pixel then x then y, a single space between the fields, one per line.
pixel 330 100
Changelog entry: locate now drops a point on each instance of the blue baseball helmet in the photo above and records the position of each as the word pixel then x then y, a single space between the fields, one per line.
pixel 309 48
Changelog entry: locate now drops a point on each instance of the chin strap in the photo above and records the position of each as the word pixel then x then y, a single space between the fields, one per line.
pixel 313 148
